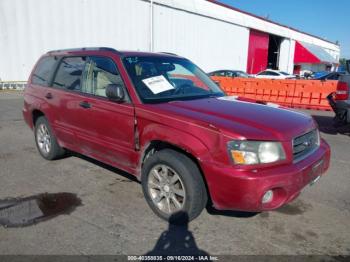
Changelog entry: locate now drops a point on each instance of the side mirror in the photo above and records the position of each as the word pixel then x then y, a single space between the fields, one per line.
pixel 348 66
pixel 115 92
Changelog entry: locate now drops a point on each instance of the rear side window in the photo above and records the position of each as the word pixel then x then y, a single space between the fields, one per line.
pixel 43 71
pixel 69 73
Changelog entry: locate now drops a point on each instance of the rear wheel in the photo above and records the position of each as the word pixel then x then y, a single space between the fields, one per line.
pixel 46 142
pixel 173 186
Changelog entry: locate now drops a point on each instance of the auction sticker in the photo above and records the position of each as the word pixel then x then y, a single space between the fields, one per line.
pixel 157 84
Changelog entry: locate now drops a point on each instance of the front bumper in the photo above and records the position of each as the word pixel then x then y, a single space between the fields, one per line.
pixel 232 189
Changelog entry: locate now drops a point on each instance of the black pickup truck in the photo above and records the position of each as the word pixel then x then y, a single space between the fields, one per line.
pixel 340 100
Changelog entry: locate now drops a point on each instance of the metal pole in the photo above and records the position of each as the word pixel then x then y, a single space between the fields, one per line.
pixel 289 70
pixel 151 26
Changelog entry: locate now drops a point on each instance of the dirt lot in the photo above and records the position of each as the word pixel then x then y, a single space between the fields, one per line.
pixel 115 219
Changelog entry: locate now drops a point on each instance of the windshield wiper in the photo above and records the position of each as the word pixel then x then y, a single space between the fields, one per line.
pixel 181 98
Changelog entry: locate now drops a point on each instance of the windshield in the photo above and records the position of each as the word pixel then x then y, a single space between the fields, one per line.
pixel 163 79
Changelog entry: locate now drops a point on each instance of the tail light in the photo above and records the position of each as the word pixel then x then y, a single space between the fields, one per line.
pixel 342 91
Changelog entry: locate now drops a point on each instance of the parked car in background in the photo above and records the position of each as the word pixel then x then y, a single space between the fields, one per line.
pixel 274 74
pixel 162 119
pixel 341 69
pixel 340 100
pixel 229 73
pixel 319 74
pixel 327 76
pixel 305 74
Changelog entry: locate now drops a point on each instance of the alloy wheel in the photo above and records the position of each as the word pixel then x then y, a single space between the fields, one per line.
pixel 43 139
pixel 166 189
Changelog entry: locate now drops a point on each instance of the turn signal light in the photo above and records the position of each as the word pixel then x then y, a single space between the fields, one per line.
pixel 238 157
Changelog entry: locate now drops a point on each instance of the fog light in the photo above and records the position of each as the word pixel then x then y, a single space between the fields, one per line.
pixel 267 197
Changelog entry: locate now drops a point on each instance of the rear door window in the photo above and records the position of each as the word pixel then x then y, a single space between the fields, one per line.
pixel 43 71
pixel 69 74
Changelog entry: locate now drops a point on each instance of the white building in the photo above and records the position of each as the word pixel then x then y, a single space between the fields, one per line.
pixel 212 35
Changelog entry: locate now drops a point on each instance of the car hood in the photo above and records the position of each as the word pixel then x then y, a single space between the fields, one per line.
pixel 241 120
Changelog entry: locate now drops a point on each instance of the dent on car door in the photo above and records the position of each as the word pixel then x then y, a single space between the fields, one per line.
pixel 111 123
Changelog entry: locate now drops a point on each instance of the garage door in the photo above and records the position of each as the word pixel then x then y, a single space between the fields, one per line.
pixel 257 52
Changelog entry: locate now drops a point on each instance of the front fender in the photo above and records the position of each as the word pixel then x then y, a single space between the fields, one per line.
pixel 187 142
pixel 204 152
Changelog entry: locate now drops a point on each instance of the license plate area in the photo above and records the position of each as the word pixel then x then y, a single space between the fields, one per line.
pixel 316 171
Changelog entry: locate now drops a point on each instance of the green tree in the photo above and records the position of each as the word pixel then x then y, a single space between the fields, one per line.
pixel 342 61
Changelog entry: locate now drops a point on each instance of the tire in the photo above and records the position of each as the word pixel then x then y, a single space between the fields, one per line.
pixel 45 140
pixel 189 190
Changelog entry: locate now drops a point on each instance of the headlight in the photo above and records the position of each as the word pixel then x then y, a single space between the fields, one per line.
pixel 255 152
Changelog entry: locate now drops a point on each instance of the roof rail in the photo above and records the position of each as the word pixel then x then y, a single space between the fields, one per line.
pixel 168 53
pixel 84 49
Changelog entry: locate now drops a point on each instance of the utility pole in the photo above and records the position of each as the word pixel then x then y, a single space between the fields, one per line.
pixel 151 27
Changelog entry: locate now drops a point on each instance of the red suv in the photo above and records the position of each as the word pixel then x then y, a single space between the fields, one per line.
pixel 162 119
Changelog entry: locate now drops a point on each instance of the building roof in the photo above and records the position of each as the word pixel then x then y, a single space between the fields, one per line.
pixel 267 20
pixel 225 13
pixel 309 53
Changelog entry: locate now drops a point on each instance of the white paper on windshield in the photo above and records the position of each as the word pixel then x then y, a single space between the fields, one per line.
pixel 157 84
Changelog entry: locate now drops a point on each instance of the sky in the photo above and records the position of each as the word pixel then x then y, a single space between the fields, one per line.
pixel 327 19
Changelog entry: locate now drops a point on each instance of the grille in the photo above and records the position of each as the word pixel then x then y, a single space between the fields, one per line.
pixel 305 144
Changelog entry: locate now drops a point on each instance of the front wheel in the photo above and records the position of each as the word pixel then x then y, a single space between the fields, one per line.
pixel 173 186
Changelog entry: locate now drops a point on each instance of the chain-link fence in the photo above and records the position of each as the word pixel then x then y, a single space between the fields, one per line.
pixel 13 85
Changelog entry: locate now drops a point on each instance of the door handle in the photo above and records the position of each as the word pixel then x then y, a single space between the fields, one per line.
pixel 85 104
pixel 49 96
